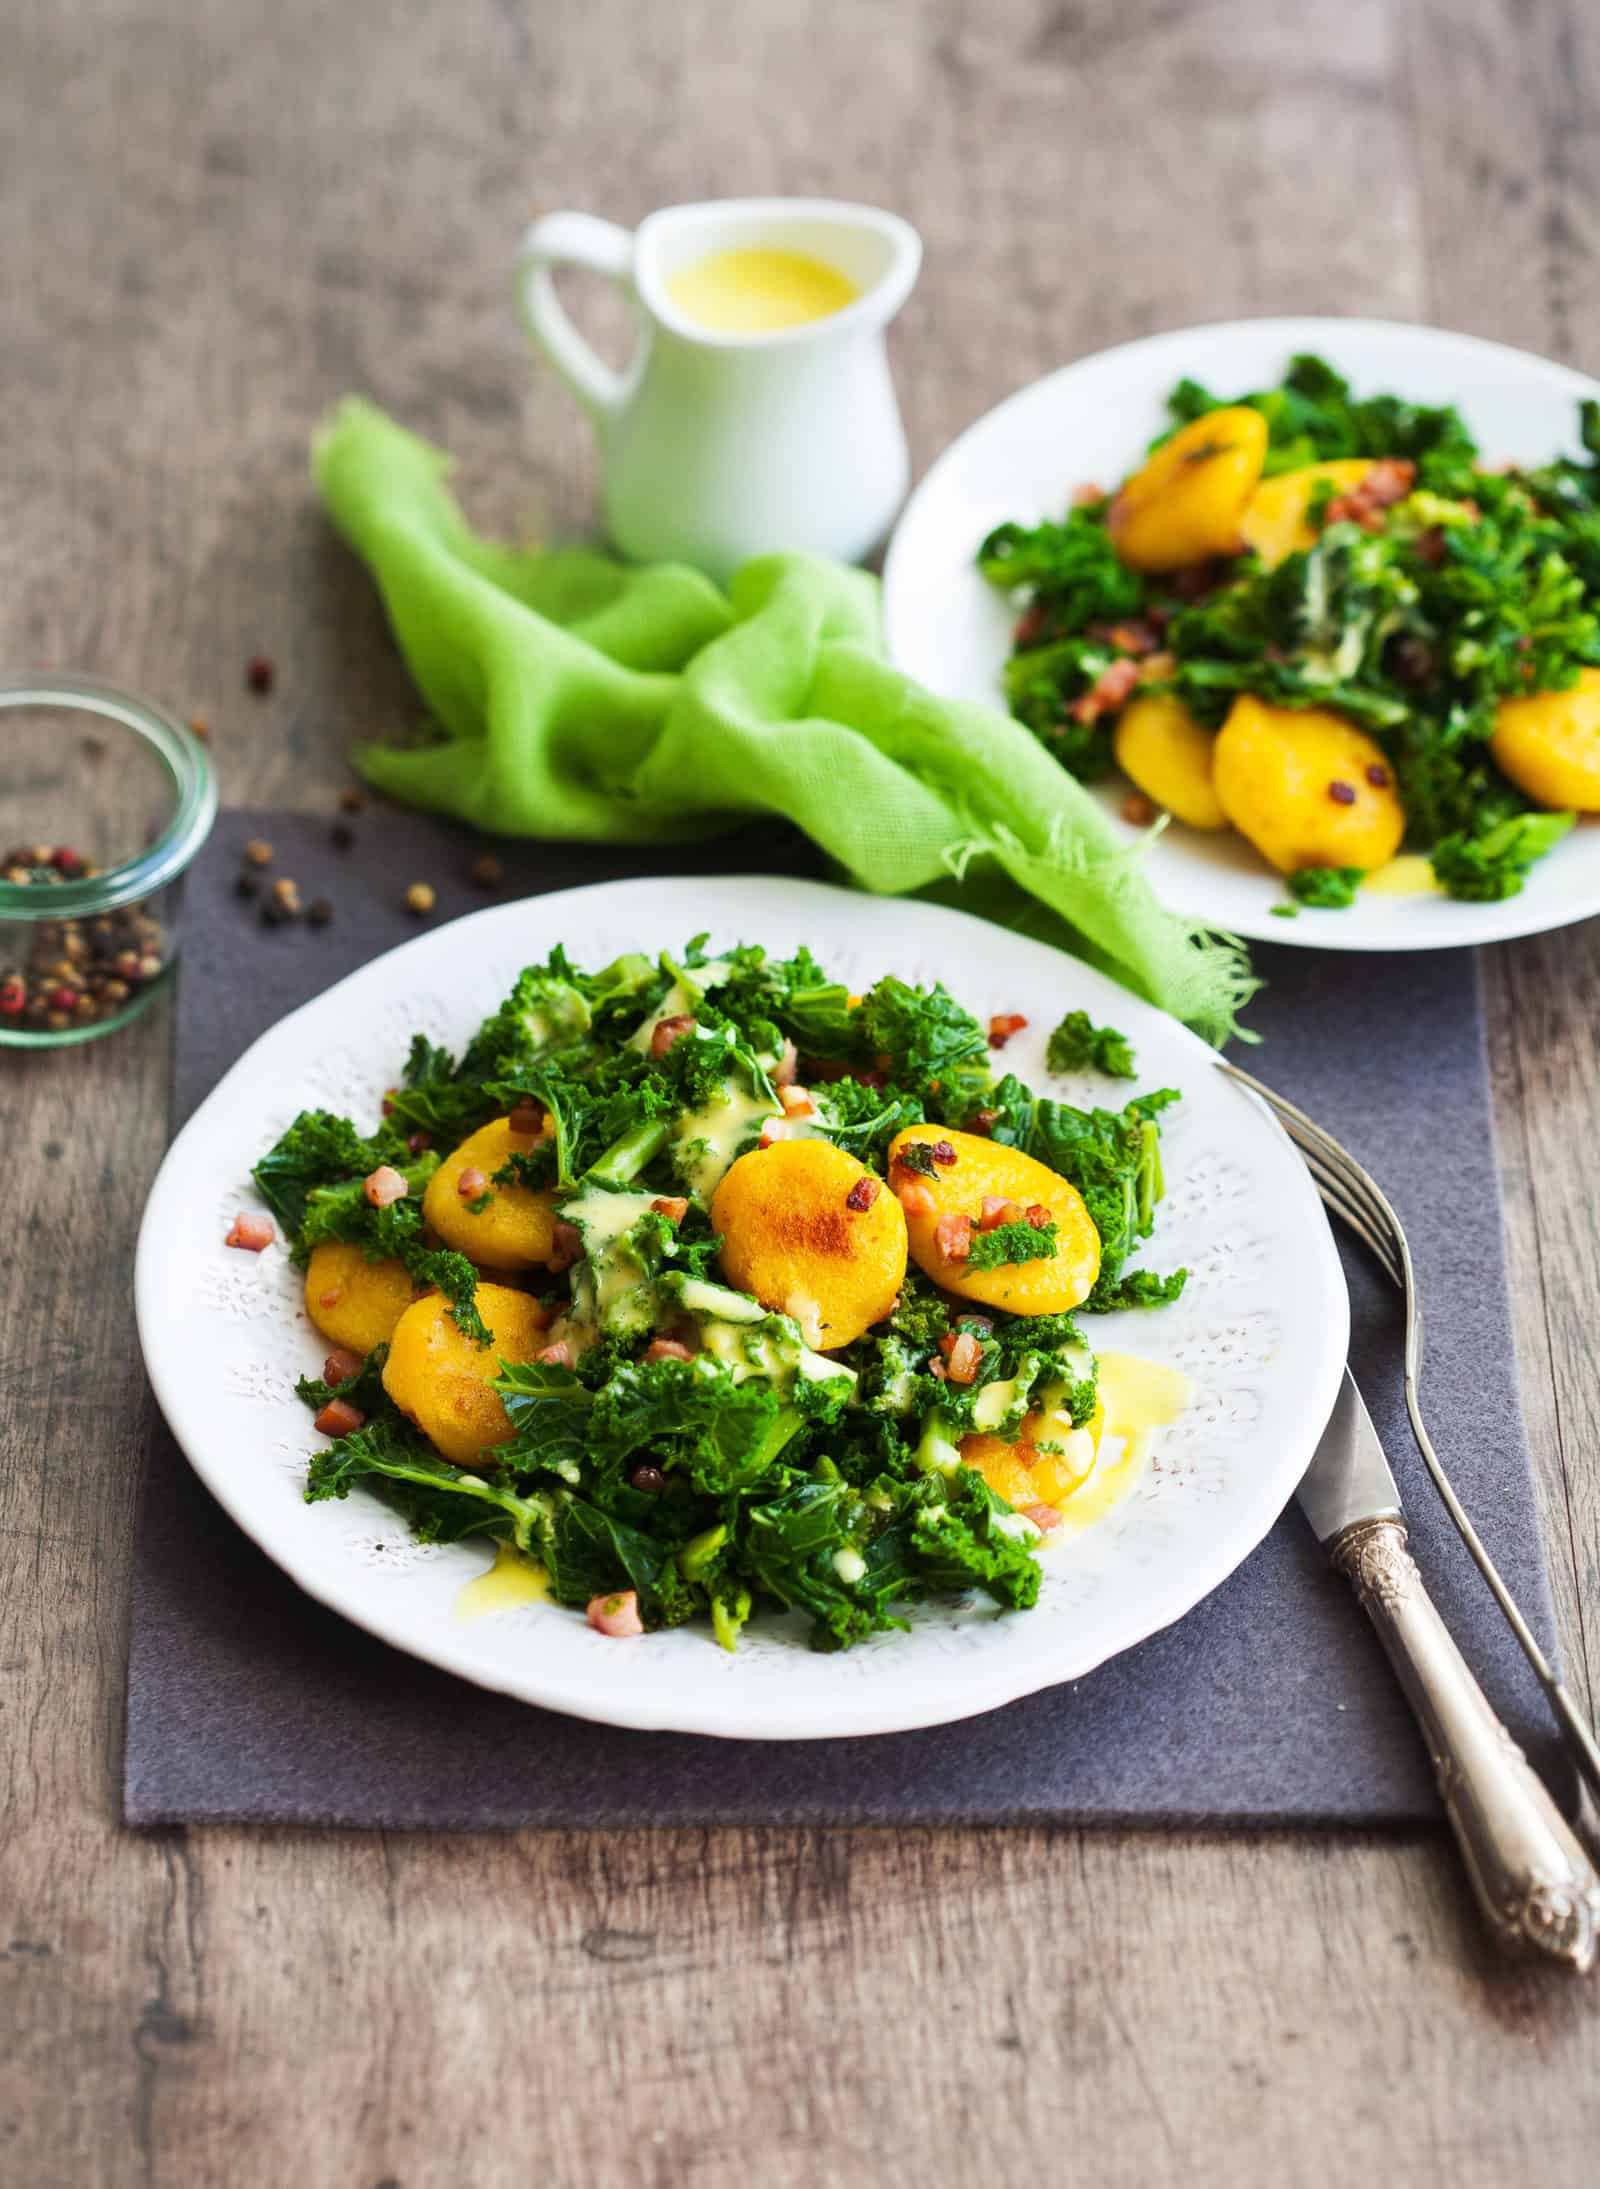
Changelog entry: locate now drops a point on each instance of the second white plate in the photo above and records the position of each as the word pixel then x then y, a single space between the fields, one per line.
pixel 1092 421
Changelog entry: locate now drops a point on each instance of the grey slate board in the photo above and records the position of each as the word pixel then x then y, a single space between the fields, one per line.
pixel 1269 1703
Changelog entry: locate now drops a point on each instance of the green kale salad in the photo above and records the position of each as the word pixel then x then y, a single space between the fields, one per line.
pixel 1323 621
pixel 717 1290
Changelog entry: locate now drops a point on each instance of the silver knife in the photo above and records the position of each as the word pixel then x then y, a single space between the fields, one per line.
pixel 1534 1881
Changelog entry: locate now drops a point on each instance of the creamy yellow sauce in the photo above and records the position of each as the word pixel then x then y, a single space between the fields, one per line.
pixel 1411 875
pixel 511 1580
pixel 756 291
pixel 1139 1397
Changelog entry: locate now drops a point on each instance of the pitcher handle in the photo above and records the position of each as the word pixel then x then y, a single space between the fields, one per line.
pixel 599 247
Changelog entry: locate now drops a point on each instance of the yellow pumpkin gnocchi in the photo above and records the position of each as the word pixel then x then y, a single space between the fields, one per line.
pixel 813 1234
pixel 1306 787
pixel 1184 503
pixel 1549 744
pixel 1274 522
pixel 1046 1463
pixel 352 1301
pixel 498 1227
pixel 953 1194
pixel 444 1381
pixel 1160 745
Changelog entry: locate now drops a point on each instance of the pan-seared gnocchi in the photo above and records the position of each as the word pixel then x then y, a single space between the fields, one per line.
pixel 955 1186
pixel 813 1234
pixel 444 1381
pixel 352 1301
pixel 506 1226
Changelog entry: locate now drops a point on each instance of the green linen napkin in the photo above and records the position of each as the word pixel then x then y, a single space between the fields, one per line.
pixel 583 698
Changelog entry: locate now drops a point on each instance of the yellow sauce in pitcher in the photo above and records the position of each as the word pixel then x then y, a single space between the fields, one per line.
pixel 757 291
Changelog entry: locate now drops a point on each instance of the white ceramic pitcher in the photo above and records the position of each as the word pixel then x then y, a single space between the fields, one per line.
pixel 715 447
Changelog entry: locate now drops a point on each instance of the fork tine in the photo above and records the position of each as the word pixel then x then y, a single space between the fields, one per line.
pixel 1359 1191
pixel 1334 1199
pixel 1360 1187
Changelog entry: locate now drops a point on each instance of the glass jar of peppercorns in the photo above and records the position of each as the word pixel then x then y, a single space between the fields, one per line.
pixel 104 800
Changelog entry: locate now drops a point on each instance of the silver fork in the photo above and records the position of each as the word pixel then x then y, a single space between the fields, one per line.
pixel 1359 1202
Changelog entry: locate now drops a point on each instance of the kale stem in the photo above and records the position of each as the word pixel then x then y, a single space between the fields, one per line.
pixel 626 1158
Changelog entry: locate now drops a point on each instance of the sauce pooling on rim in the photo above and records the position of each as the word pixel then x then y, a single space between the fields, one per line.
pixel 1139 1397
pixel 511 1580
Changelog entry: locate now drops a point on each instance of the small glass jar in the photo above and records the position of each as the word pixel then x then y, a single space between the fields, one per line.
pixel 104 800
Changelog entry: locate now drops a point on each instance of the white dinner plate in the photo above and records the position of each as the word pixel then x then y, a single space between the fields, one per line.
pixel 951 630
pixel 1261 1330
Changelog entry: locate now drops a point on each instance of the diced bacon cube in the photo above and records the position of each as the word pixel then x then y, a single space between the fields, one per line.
pixel 952 1235
pixel 668 1349
pixel 797 1101
pixel 1044 1517
pixel 786 1067
pixel 471 1182
pixel 1003 1025
pixel 862 1195
pixel 253 1233
pixel 385 1185
pixel 998 1211
pixel 668 1031
pixel 616 1615
pixel 672 1206
pixel 914 1197
pixel 527 1117
pixel 558 1355
pixel 566 1246
pixel 340 1365
pixel 1038 1215
pixel 963 1358
pixel 338 1418
pixel 775 1129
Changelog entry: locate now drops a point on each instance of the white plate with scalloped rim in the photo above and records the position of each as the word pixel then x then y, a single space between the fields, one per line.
pixel 1093 421
pixel 1261 1329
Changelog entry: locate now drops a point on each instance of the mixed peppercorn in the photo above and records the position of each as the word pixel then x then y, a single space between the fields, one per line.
pixel 77 972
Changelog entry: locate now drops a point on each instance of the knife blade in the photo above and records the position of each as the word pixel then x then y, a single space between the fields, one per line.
pixel 1349 1478
pixel 1533 1878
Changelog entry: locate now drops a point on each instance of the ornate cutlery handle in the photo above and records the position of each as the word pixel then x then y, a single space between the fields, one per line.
pixel 1535 1883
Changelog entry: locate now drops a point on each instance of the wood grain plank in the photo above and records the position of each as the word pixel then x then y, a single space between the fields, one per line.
pixel 219 223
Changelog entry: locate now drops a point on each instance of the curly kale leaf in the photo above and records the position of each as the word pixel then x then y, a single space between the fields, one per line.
pixel 1071 568
pixel 442 1503
pixel 693 1418
pixel 1113 1157
pixel 1483 869
pixel 1007 1245
pixel 1328 887
pixel 1312 416
pixel 926 1035
pixel 1078 1045
pixel 864 1119
pixel 318 1150
pixel 585 1551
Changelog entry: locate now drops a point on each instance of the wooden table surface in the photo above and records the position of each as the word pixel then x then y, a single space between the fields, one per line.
pixel 217 218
